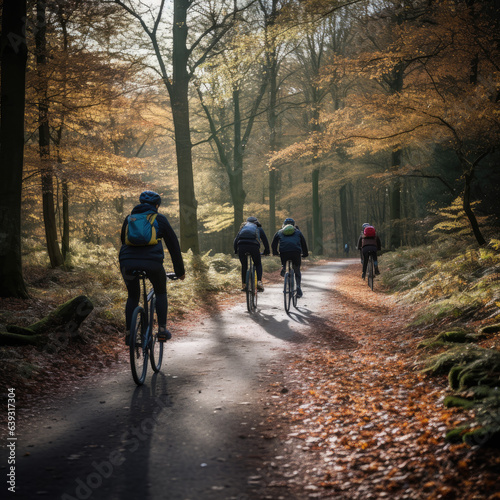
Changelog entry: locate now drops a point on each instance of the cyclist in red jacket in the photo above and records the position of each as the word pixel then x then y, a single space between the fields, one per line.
pixel 369 242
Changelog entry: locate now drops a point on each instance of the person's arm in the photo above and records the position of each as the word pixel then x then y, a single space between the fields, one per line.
pixel 263 237
pixel 235 242
pixel 274 244
pixel 303 244
pixel 379 244
pixel 360 243
pixel 123 231
pixel 172 243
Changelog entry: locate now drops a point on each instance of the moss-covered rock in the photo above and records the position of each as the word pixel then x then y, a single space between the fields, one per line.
pixel 441 364
pixel 456 401
pixel 489 329
pixel 483 436
pixel 456 435
pixel 453 376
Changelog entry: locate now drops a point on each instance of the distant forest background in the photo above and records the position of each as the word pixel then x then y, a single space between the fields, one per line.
pixel 334 113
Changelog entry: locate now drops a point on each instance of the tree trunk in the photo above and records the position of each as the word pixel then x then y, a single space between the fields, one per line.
pixel 178 91
pixel 65 210
pixel 395 203
pixel 49 217
pixel 272 200
pixel 13 77
pixel 317 230
pixel 343 214
pixel 236 182
pixel 468 209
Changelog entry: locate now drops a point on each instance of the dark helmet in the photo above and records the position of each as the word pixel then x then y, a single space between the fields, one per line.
pixel 287 221
pixel 150 197
pixel 253 219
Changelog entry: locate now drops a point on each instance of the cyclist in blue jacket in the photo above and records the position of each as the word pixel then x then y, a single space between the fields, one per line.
pixel 149 258
pixel 289 243
pixel 248 240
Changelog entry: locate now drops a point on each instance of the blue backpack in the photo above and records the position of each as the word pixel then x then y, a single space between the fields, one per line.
pixel 141 229
pixel 250 231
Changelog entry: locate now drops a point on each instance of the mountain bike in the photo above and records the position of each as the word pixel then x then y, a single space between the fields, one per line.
pixel 251 284
pixel 144 345
pixel 289 287
pixel 370 270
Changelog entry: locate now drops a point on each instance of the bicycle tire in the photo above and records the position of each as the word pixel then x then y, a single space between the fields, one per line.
pixel 294 289
pixel 156 350
pixel 248 285
pixel 371 272
pixel 254 289
pixel 287 292
pixel 138 352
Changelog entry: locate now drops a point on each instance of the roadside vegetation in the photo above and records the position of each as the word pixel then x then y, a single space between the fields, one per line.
pixel 457 291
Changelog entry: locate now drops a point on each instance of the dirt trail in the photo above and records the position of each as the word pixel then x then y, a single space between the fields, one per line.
pixel 324 403
pixel 195 431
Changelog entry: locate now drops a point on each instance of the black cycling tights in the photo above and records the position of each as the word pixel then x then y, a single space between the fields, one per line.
pixel 156 274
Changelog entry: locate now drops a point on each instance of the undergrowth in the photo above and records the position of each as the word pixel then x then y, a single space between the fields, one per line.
pixel 93 270
pixel 458 287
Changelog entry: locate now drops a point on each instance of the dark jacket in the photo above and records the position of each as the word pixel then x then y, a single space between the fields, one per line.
pixel 154 252
pixel 365 241
pixel 254 241
pixel 292 243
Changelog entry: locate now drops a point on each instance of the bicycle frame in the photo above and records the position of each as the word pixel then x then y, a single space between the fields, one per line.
pixel 144 346
pixel 289 287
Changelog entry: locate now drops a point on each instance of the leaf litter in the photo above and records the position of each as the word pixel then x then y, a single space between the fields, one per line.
pixel 358 420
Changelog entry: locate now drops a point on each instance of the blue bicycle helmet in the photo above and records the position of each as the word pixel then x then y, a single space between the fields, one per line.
pixel 150 197
pixel 288 221
pixel 366 224
pixel 253 219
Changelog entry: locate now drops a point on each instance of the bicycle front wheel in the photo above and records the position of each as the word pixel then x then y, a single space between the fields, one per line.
pixel 156 352
pixel 138 351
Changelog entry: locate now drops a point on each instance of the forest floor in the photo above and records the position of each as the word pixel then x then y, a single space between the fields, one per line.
pixel 354 418
pixel 349 415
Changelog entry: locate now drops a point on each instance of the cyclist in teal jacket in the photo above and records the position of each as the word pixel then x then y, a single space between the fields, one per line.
pixel 149 258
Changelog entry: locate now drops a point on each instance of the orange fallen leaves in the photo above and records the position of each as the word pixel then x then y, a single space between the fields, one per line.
pixel 382 423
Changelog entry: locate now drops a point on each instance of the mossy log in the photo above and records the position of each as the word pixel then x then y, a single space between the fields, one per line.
pixel 65 319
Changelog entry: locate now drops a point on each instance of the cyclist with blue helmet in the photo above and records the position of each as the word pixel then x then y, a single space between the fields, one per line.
pixel 149 257
pixel 248 240
pixel 289 243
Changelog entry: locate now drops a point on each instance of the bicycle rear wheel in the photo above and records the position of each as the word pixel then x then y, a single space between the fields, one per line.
pixel 138 351
pixel 248 284
pixel 254 289
pixel 287 291
pixel 371 272
pixel 156 351
pixel 294 290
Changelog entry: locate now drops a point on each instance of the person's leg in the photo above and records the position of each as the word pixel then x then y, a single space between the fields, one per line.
pixel 366 251
pixel 134 292
pixel 258 263
pixel 375 262
pixel 243 259
pixel 296 262
pixel 158 278
pixel 283 264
